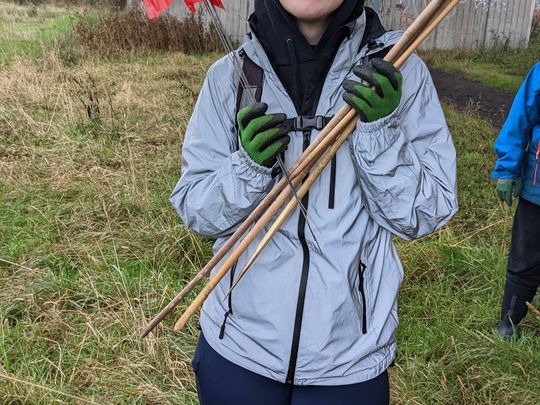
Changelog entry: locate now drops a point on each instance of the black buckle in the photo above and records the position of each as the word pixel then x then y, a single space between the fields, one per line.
pixel 303 123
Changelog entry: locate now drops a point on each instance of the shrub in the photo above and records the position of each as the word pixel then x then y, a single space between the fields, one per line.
pixel 131 32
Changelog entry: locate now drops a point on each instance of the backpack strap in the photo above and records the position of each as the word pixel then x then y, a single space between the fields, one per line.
pixel 254 76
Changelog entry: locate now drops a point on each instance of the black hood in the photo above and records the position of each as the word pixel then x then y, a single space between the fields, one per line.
pixel 273 26
pixel 296 62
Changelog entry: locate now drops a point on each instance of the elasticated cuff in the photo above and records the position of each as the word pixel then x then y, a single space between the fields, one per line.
pixel 374 126
pixel 252 165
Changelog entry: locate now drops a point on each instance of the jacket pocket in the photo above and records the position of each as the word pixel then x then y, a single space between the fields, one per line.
pixel 362 291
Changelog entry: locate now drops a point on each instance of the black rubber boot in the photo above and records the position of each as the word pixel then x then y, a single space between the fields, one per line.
pixel 509 324
pixel 514 308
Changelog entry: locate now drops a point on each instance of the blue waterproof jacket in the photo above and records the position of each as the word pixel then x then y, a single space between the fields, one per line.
pixel 518 145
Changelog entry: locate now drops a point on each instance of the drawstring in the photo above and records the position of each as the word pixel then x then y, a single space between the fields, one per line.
pixel 294 62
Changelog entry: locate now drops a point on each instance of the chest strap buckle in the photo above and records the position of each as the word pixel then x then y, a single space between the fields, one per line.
pixel 304 123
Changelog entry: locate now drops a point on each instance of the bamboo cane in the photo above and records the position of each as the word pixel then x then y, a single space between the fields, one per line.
pixel 445 10
pixel 400 61
pixel 431 25
pixel 209 287
pixel 251 235
pixel 306 161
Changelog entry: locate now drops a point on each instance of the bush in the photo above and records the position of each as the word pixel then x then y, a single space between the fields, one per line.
pixel 131 32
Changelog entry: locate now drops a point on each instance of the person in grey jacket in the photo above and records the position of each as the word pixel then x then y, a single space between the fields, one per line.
pixel 314 320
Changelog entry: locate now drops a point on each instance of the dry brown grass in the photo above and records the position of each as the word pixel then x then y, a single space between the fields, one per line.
pixel 95 190
pixel 132 32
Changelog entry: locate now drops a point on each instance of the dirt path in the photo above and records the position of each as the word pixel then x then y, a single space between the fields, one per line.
pixel 492 104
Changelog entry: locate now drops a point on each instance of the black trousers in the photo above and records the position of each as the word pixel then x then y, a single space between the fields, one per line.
pixel 523 271
pixel 524 260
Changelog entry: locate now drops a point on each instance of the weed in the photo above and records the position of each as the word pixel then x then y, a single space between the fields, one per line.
pixel 132 33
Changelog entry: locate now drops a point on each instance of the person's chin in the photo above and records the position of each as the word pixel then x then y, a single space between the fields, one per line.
pixel 310 11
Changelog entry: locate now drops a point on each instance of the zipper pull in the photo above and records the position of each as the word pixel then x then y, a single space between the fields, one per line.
pixel 537 160
pixel 307 137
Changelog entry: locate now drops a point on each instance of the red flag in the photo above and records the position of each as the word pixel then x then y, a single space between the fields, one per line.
pixel 155 7
pixel 191 4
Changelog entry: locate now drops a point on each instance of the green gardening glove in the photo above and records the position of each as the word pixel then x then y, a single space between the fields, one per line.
pixel 508 188
pixel 382 93
pixel 263 136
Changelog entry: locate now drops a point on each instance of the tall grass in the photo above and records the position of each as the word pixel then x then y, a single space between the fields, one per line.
pixel 90 249
pixel 132 32
pixel 27 31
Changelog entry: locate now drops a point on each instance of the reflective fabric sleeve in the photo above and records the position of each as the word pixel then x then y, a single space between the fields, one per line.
pixel 220 185
pixel 406 162
pixel 516 131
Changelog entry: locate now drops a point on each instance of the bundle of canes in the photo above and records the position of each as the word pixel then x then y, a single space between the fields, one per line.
pixel 321 150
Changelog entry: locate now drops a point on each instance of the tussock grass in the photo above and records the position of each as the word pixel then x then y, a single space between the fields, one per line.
pixel 90 249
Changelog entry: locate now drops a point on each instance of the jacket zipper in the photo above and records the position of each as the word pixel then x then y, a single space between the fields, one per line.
pixel 229 311
pixel 537 160
pixel 303 283
pixel 361 271
pixel 332 192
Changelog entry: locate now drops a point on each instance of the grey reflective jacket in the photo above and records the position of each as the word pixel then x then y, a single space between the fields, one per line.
pixel 395 176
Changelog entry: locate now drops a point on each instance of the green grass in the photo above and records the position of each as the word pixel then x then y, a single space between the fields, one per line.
pixel 90 249
pixel 500 67
pixel 27 31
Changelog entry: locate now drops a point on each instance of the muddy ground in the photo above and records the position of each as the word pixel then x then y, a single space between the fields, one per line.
pixel 491 104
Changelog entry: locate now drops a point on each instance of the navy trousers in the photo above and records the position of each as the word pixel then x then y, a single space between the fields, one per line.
pixel 220 382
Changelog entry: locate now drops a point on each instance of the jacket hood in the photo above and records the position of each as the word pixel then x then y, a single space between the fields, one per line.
pixel 300 66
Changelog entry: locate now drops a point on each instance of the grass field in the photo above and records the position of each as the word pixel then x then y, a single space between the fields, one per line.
pixel 90 248
pixel 501 67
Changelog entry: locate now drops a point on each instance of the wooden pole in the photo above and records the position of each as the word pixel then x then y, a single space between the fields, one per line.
pixel 306 160
pixel 439 15
pixel 251 235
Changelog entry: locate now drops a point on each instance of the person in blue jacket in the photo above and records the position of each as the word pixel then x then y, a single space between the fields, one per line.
pixel 516 171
